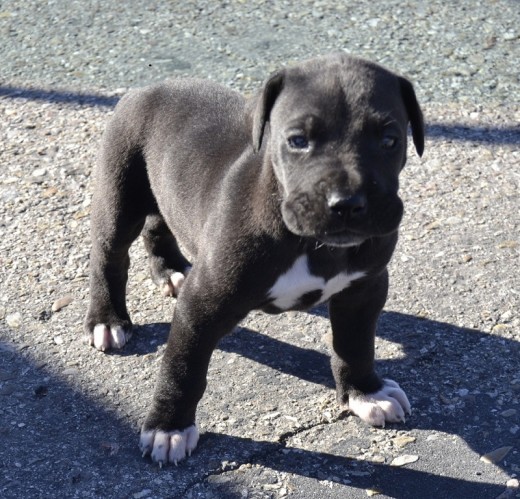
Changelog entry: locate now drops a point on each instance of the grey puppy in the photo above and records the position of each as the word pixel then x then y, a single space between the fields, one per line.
pixel 281 202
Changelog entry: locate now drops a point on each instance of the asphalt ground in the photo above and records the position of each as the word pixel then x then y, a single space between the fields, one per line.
pixel 450 333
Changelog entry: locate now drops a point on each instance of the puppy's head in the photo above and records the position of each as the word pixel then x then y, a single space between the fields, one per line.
pixel 337 139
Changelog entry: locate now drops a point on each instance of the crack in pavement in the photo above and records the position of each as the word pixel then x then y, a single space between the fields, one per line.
pixel 260 456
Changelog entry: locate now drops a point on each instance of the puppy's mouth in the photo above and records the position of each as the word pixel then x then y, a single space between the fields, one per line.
pixel 343 238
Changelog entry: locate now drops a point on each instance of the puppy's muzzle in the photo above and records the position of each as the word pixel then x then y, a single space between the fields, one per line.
pixel 336 214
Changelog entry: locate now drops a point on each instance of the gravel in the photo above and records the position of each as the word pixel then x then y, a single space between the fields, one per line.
pixel 69 416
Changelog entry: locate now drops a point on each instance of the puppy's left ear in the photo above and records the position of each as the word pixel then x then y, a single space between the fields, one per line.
pixel 264 104
pixel 415 114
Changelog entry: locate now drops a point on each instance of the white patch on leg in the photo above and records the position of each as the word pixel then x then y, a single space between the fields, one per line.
pixel 169 447
pixel 387 405
pixel 104 337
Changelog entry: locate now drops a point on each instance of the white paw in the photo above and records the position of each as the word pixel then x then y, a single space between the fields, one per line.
pixel 390 404
pixel 169 447
pixel 105 337
pixel 173 286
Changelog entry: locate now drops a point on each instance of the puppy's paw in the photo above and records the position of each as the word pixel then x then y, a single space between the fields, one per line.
pixel 173 285
pixel 104 337
pixel 169 446
pixel 390 404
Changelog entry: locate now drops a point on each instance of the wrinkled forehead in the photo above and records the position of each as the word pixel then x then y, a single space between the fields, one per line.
pixel 341 90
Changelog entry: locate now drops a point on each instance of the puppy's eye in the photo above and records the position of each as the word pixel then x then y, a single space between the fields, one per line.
pixel 298 142
pixel 389 142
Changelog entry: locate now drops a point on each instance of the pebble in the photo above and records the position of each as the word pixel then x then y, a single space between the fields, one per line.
pixel 453 220
pixel 500 328
pixel 508 244
pixel 41 391
pixel 496 455
pixel 404 459
pixel 39 172
pixel 403 440
pixel 14 320
pixel 508 413
pixel 506 316
pixel 61 303
pixel 433 225
pixel 141 495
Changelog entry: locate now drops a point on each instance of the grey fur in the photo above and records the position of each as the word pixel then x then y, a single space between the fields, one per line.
pixel 309 166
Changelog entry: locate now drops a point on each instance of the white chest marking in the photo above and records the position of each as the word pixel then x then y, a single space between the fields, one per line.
pixel 291 286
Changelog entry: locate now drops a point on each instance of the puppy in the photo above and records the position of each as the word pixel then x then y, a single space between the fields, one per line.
pixel 281 201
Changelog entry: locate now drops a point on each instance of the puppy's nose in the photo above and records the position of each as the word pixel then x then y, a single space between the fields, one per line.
pixel 347 206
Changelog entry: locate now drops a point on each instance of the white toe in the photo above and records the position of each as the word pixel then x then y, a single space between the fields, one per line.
pixel 192 438
pixel 118 337
pixel 101 337
pixel 177 447
pixel 161 445
pixel 177 280
pixel 399 395
pixel 146 442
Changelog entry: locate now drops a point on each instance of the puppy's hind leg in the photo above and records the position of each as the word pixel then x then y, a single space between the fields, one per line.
pixel 167 264
pixel 122 199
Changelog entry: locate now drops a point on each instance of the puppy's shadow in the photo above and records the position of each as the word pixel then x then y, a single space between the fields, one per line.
pixel 459 380
pixel 402 482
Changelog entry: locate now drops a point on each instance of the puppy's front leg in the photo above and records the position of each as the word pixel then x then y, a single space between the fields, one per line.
pixel 354 313
pixel 203 314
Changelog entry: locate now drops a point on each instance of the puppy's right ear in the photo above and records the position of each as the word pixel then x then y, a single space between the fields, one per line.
pixel 264 104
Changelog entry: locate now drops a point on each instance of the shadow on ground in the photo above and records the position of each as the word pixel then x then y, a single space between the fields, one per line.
pixel 90 447
pixel 456 379
pixel 58 96
pixel 454 131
